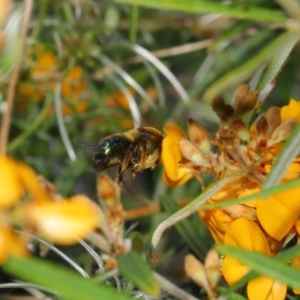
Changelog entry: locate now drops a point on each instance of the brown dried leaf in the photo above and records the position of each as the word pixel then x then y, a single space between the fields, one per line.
pixel 239 127
pixel 247 103
pixel 223 110
pixel 282 132
pixel 195 270
pixel 262 127
pixel 240 93
pixel 212 267
pixel 108 192
pixel 198 135
pixel 273 118
pixel 191 153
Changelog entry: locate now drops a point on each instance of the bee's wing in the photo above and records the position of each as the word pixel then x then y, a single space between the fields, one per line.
pixel 89 144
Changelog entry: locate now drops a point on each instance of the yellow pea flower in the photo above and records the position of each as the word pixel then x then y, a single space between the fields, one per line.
pixel 174 174
pixel 64 222
pixel 246 234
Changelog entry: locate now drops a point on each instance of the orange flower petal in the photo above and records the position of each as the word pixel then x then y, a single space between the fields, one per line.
pixel 265 288
pixel 285 208
pixel 290 111
pixel 76 73
pixel 217 221
pixel 64 222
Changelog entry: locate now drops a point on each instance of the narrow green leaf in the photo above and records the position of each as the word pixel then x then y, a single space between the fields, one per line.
pixel 233 31
pixel 245 71
pixel 237 56
pixel 134 268
pixel 289 254
pixel 262 194
pixel 277 63
pixel 187 228
pixel 265 265
pixel 210 7
pixel 285 257
pixel 288 152
pixel 187 210
pixel 67 283
pixel 236 296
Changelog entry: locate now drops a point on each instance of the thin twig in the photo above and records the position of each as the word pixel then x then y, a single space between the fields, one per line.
pixel 13 81
pixel 162 53
pixel 172 289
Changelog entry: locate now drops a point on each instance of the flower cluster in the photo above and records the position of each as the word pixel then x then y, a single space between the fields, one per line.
pixel 31 204
pixel 43 74
pixel 245 157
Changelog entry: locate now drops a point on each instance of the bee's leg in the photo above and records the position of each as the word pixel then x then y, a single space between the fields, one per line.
pixel 142 156
pixel 132 174
pixel 126 161
pixel 119 176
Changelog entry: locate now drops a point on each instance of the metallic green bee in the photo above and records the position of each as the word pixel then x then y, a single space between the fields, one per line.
pixel 134 150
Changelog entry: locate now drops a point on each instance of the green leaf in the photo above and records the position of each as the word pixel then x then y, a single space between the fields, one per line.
pixel 137 241
pixel 67 283
pixel 210 7
pixel 277 63
pixel 245 71
pixel 134 268
pixel 265 265
pixel 288 152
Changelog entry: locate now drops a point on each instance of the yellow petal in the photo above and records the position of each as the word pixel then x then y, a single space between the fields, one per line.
pixel 285 208
pixel 64 222
pixel 11 187
pixel 17 246
pixel 4 244
pixel 246 234
pixel 174 130
pixel 171 156
pixel 173 183
pixel 296 264
pixel 233 270
pixel 265 288
pixel 31 182
pixel 290 111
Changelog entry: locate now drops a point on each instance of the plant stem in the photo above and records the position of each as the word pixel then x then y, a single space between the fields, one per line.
pixel 13 81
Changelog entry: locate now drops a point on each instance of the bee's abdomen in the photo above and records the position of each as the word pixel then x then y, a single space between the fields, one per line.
pixel 110 151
